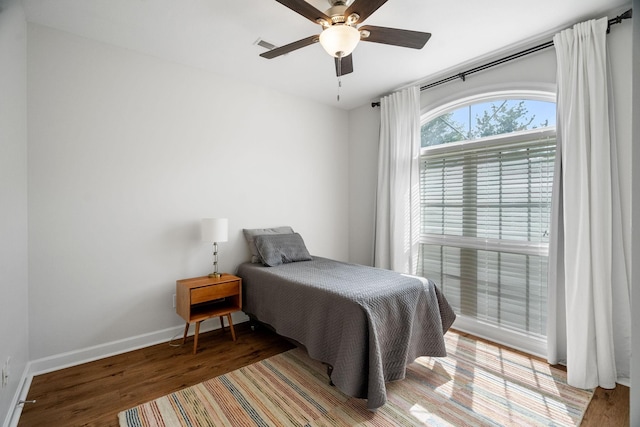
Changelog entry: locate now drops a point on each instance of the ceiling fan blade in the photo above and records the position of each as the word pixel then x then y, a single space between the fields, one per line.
pixel 345 67
pixel 270 54
pixel 364 8
pixel 305 9
pixel 396 37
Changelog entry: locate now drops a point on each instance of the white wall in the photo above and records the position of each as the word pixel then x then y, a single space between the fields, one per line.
pixel 127 153
pixel 619 45
pixel 13 200
pixel 635 290
pixel 364 134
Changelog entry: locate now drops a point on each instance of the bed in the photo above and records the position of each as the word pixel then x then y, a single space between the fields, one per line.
pixel 365 323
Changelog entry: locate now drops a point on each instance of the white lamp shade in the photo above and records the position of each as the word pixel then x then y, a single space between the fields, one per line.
pixel 215 230
pixel 339 40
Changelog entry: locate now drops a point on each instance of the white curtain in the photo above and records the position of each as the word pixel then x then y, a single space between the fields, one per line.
pixel 589 315
pixel 397 198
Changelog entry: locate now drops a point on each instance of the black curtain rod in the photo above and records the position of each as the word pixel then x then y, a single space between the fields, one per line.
pixel 463 75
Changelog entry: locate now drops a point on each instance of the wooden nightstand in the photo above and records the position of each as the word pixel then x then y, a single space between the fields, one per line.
pixel 202 298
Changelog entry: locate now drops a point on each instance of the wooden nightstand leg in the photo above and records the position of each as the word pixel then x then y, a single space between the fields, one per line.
pixel 222 323
pixel 233 332
pixel 186 330
pixel 195 337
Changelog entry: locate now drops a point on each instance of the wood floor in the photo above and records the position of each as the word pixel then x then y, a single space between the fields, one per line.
pixel 94 393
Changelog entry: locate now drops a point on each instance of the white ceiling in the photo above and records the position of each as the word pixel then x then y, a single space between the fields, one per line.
pixel 220 36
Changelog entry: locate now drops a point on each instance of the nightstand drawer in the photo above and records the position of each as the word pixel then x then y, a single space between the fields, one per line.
pixel 213 292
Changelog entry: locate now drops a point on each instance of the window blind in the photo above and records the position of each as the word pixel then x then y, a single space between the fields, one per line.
pixel 485 211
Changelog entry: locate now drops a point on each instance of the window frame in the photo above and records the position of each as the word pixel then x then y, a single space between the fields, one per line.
pixel 509 337
pixel 530 94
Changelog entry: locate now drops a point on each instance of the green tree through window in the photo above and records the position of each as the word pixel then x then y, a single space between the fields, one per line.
pixel 486 119
pixel 442 130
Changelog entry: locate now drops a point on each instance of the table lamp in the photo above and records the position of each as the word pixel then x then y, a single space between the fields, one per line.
pixel 215 230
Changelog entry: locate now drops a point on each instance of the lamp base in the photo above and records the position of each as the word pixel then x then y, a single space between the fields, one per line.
pixel 216 275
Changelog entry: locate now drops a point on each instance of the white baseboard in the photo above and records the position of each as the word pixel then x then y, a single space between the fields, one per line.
pixel 624 381
pixel 12 418
pixel 89 354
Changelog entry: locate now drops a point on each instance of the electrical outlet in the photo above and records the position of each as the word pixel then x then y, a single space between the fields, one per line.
pixel 5 373
pixel 174 300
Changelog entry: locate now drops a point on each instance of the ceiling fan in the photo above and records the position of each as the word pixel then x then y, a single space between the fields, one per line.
pixel 340 34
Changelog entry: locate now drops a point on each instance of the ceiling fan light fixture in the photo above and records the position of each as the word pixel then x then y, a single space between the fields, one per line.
pixel 339 40
pixel 323 23
pixel 353 18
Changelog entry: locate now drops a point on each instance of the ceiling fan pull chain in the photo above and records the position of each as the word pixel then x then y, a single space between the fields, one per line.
pixel 339 75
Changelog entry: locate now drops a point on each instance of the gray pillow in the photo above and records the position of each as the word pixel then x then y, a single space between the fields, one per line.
pixel 276 249
pixel 251 233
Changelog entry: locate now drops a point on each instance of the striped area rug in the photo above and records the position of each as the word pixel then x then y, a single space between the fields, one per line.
pixel 478 384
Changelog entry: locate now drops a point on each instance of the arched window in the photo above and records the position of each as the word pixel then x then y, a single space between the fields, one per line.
pixel 486 175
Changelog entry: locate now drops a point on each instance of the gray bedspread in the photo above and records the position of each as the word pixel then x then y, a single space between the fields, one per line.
pixel 367 323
